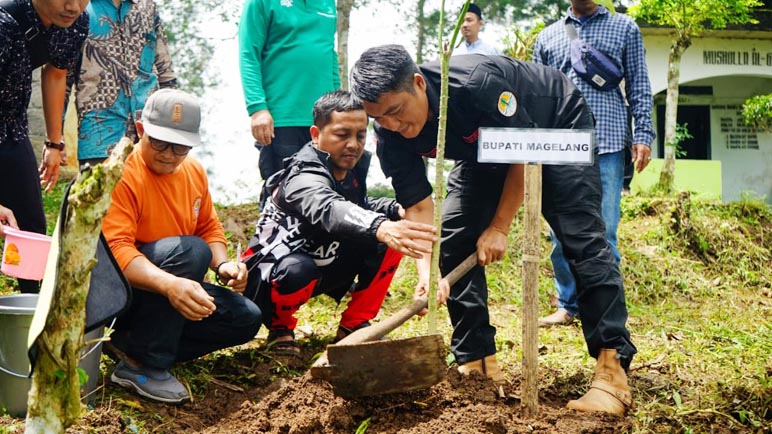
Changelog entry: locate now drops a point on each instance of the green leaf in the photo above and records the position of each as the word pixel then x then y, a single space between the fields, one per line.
pixel 59 374
pixel 82 376
pixel 677 398
pixel 608 4
pixel 363 426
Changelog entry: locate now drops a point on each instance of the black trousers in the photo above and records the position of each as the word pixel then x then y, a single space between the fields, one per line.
pixel 363 269
pixel 154 333
pixel 20 191
pixel 571 197
pixel 286 142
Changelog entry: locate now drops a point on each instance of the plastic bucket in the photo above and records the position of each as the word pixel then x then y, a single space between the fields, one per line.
pixel 25 254
pixel 15 318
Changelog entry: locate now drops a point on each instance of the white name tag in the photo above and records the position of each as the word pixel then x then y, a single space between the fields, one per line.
pixel 535 145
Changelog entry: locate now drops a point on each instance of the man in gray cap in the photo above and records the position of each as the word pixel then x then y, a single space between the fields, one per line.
pixel 164 233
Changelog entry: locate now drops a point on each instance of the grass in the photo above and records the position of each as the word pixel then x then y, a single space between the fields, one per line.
pixel 699 293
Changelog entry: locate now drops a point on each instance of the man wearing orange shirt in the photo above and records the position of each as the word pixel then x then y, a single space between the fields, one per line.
pixel 164 232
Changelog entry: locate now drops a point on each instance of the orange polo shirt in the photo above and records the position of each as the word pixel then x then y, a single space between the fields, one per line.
pixel 147 207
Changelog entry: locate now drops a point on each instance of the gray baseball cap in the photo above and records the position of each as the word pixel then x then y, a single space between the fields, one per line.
pixel 173 116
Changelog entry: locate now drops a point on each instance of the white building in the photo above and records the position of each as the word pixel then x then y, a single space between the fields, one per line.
pixel 719 71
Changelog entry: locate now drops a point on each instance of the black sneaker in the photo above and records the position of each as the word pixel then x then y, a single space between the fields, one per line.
pixel 156 384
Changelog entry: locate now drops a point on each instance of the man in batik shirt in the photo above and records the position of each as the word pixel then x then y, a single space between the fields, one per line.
pixel 125 59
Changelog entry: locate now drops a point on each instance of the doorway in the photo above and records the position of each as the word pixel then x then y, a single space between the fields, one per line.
pixel 697 119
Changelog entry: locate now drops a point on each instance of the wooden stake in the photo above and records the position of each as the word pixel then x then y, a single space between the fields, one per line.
pixel 532 230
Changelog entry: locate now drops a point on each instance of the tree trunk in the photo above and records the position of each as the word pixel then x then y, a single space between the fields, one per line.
pixel 439 175
pixel 667 175
pixel 54 398
pixel 421 20
pixel 344 20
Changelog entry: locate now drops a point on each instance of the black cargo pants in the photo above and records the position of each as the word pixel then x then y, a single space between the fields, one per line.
pixel 571 197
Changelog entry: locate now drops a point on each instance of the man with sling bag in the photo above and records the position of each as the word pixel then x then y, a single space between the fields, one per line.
pixel 596 50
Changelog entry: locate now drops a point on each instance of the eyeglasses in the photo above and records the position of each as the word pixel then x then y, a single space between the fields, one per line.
pixel 161 146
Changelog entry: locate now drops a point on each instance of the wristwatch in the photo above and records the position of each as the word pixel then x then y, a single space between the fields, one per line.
pixel 51 145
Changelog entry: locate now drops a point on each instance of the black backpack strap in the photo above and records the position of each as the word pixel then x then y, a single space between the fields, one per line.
pixel 37 43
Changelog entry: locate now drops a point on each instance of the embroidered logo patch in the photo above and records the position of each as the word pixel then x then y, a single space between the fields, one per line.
pixel 507 104
pixel 196 207
pixel 177 113
pixel 286 3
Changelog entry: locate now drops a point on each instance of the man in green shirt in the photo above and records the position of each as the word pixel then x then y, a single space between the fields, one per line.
pixel 287 59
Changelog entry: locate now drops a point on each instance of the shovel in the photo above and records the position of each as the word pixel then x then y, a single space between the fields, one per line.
pixel 362 364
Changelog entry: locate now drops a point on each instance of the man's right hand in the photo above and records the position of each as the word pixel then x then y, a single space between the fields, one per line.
pixel 262 126
pixel 7 218
pixel 422 291
pixel 49 168
pixel 190 299
pixel 408 237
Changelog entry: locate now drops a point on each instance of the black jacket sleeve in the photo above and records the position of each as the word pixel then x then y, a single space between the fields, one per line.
pixel 309 194
pixel 404 166
pixel 384 205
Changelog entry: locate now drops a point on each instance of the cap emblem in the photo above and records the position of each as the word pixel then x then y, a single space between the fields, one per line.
pixel 177 113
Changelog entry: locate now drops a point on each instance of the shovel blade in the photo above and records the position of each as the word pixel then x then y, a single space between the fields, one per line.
pixel 381 367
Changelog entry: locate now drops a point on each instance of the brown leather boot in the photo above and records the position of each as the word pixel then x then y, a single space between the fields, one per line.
pixel 609 391
pixel 486 366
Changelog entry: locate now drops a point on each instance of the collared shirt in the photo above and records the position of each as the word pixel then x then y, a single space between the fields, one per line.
pixel 125 58
pixel 16 69
pixel 484 91
pixel 477 46
pixel 619 38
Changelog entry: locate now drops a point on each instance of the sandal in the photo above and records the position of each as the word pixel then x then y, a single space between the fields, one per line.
pixel 286 347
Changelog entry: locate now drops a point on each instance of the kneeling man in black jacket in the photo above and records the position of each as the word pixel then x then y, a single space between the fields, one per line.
pixel 319 233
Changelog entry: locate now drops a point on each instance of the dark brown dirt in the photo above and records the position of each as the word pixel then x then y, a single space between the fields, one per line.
pixel 283 398
pixel 456 405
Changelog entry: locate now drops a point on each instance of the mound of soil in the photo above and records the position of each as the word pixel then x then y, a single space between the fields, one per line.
pixel 458 404
pixel 283 398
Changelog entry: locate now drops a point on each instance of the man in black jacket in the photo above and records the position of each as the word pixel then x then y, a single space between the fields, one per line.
pixel 482 199
pixel 319 231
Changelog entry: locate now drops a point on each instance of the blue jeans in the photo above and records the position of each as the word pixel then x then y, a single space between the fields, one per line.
pixel 612 167
pixel 154 333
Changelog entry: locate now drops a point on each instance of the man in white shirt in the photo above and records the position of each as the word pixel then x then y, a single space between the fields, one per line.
pixel 471 27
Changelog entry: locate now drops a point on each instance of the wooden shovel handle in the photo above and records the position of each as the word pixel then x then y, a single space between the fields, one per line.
pixel 384 327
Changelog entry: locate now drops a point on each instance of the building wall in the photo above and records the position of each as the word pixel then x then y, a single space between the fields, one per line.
pixel 735 68
pixel 37 127
pixel 708 57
